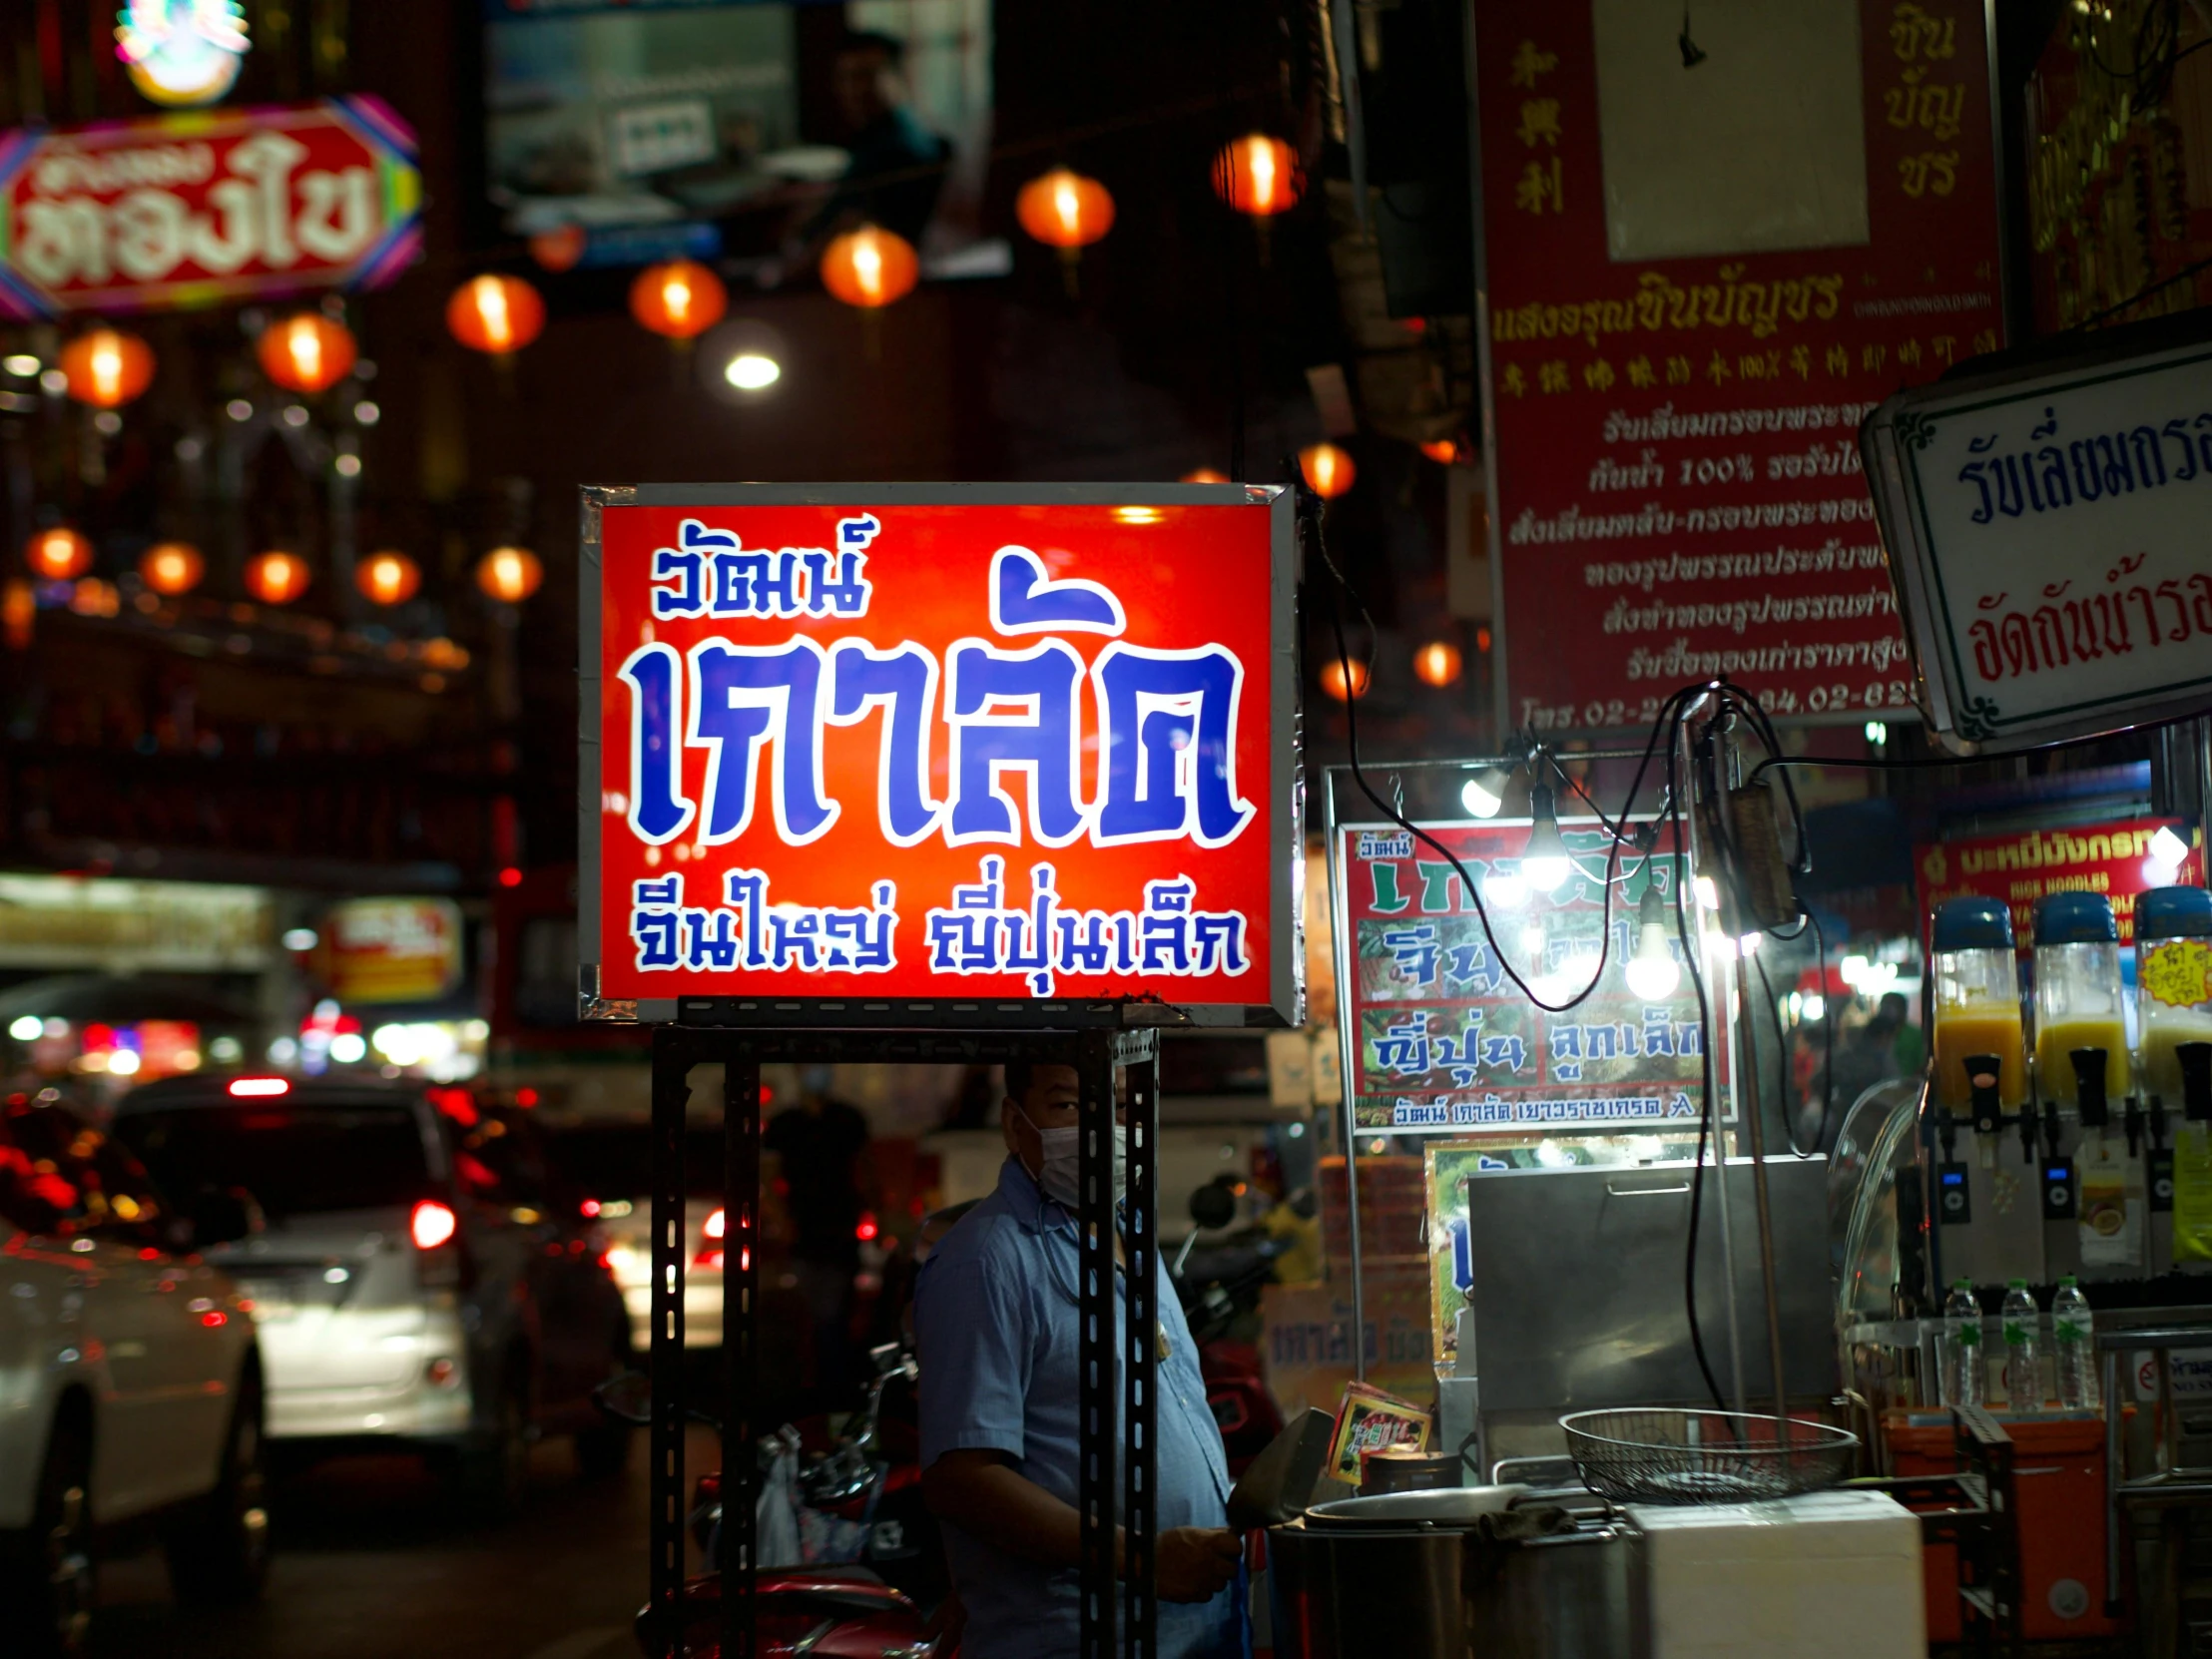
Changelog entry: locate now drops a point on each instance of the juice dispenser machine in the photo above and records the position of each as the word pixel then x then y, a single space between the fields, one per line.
pixel 2096 1189
pixel 2173 984
pixel 1988 1213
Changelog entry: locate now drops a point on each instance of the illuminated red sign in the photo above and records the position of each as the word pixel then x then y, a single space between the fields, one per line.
pixel 191 210
pixel 964 746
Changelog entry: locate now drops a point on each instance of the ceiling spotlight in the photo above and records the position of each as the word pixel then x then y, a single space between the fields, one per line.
pixel 752 371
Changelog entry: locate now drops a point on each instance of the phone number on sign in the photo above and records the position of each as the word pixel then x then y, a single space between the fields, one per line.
pixel 1878 695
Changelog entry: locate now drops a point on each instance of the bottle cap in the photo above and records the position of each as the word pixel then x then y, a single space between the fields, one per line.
pixel 1972 923
pixel 2173 914
pixel 1961 1282
pixel 2017 1283
pixel 2075 919
pixel 2066 1278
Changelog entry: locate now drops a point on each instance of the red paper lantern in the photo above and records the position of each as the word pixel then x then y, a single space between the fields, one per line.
pixel 1258 175
pixel 677 299
pixel 1334 676
pixel 870 267
pixel 1064 210
pixel 276 577
pixel 58 554
pixel 510 574
pixel 388 578
pixel 495 314
pixel 1328 470
pixel 1437 663
pixel 107 368
pixel 308 352
pixel 1444 451
pixel 1205 475
pixel 172 567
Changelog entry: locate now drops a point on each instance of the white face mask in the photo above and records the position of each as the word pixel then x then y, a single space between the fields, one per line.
pixel 1058 1151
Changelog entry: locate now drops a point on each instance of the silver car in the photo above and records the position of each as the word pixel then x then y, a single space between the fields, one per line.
pixel 418 1279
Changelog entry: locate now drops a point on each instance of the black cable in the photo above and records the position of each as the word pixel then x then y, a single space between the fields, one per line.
pixel 1780 761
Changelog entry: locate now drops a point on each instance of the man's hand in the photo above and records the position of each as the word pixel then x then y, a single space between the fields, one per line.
pixel 1194 1562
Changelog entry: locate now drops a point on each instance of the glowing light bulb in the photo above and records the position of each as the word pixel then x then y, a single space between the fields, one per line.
pixel 1544 861
pixel 1653 972
pixel 1485 793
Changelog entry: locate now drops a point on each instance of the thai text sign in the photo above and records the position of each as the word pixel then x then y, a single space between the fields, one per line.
pixel 191 209
pixel 390 949
pixel 2049 530
pixel 2111 859
pixel 1698 282
pixel 1442 1042
pixel 950 743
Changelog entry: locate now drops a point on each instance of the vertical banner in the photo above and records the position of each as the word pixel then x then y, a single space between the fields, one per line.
pixel 941 753
pixel 1712 244
pixel 1445 1044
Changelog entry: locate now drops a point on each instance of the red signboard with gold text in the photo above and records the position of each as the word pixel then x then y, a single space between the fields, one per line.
pixel 2115 860
pixel 211 206
pixel 1711 246
pixel 1012 749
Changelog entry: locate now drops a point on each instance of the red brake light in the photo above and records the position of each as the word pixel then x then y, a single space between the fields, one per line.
pixel 716 1225
pixel 866 1229
pixel 589 1207
pixel 255 1088
pixel 430 1225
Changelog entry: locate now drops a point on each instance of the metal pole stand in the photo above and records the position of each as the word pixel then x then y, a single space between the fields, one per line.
pixel 1117 1490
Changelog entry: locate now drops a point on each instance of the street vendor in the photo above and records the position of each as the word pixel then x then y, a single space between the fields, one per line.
pixel 995 1323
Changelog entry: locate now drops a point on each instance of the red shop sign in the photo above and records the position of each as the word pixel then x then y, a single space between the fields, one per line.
pixel 2111 859
pixel 970 754
pixel 202 208
pixel 1706 261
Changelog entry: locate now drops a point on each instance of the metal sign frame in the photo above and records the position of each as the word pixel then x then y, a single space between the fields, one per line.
pixel 1285 787
pixel 1124 1624
pixel 1955 706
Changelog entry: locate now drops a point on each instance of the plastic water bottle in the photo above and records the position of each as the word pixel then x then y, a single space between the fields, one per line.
pixel 1962 1378
pixel 2023 1350
pixel 2074 1331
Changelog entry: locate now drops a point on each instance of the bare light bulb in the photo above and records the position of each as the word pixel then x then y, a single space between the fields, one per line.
pixel 1544 861
pixel 1485 793
pixel 1653 972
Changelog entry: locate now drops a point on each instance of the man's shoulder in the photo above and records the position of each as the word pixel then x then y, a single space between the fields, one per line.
pixel 987 1241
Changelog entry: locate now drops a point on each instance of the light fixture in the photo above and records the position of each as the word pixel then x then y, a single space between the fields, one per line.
pixel 58 554
pixel 180 55
pixel 22 364
pixel 106 367
pixel 1877 733
pixel 1064 210
pixel 1485 793
pixel 299 939
pixel 1205 475
pixel 1709 895
pixel 388 577
pixel 276 577
pixel 677 299
pixel 752 371
pixel 510 574
pixel 1544 859
pixel 172 567
pixel 2168 852
pixel 1747 946
pixel 1343 676
pixel 1258 175
pixel 495 314
pixel 1653 972
pixel 306 352
pixel 1327 470
pixel 1504 893
pixel 1444 451
pixel 1436 664
pixel 27 1028
pixel 870 268
pixel 1814 1007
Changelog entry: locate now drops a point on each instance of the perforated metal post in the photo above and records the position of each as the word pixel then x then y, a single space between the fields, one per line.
pixel 665 1578
pixel 741 1468
pixel 1140 1363
pixel 1095 1394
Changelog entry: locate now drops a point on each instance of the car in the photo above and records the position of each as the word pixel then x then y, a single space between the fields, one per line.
pixel 608 1164
pixel 417 1283
pixel 130 1381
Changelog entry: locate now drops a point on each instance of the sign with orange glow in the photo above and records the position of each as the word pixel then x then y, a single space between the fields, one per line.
pixel 378 951
pixel 937 753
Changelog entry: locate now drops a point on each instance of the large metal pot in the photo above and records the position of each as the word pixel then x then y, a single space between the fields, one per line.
pixel 1356 1582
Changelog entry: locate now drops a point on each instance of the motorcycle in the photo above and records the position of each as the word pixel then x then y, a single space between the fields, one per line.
pixel 821 1532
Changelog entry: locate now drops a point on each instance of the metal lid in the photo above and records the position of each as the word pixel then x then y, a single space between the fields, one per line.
pixel 2075 919
pixel 2173 914
pixel 1972 923
pixel 1445 1506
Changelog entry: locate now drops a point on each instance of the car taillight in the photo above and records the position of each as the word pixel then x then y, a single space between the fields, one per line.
pixel 716 1225
pixel 431 1224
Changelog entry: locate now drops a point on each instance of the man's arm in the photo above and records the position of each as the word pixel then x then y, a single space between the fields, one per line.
pixel 977 1491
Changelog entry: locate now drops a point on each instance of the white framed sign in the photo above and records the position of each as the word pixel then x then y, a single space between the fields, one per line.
pixel 2050 531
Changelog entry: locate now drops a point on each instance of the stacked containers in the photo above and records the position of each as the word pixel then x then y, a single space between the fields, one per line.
pixel 2078 1000
pixel 1977 1002
pixel 2173 982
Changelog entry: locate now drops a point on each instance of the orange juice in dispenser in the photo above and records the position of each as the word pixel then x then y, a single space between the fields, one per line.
pixel 1977 1004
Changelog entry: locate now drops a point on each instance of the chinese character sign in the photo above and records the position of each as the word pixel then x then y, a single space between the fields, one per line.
pixel 1442 1040
pixel 1705 263
pixel 956 748
pixel 198 209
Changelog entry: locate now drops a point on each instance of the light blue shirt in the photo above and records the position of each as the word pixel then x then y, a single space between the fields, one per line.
pixel 995 1331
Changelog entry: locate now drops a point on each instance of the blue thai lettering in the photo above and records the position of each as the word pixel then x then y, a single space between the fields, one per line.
pixel 1037 738
pixel 658 810
pixel 1414 953
pixel 1024 601
pixel 1168 745
pixel 903 682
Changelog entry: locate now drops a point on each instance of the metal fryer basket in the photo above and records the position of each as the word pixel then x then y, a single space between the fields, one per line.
pixel 1652 1455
